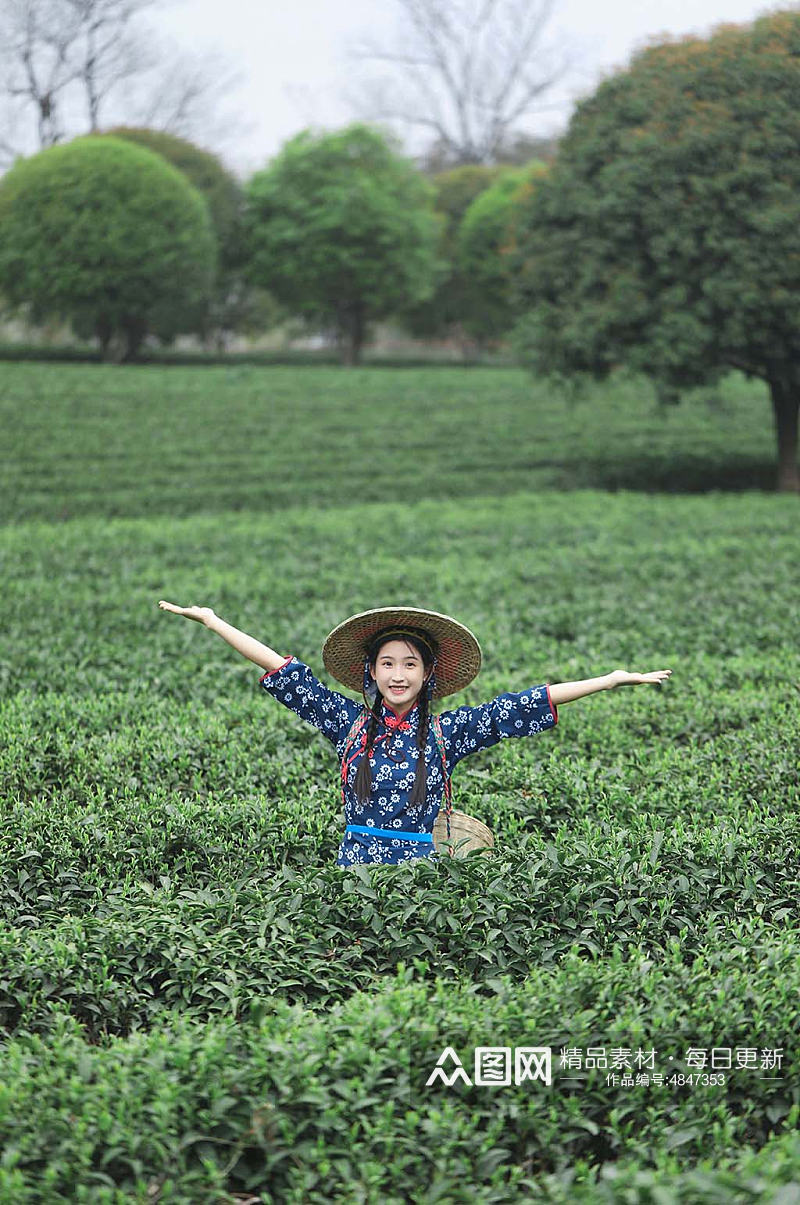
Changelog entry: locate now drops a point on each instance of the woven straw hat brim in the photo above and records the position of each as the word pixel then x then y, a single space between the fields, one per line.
pixel 458 660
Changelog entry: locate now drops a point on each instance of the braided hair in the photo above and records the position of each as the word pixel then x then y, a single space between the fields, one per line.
pixel 363 779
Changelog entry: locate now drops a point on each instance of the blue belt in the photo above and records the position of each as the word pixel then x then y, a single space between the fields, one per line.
pixel 388 832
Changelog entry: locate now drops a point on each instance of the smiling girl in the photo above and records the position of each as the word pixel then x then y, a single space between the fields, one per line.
pixel 396 756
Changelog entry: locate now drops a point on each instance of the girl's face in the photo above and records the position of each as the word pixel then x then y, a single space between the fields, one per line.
pixel 399 673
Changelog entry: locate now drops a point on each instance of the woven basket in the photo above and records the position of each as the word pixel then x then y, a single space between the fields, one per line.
pixel 461 825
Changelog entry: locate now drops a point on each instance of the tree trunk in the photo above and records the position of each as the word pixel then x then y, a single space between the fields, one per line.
pixel 104 331
pixel 353 330
pixel 135 331
pixel 785 401
pixel 465 343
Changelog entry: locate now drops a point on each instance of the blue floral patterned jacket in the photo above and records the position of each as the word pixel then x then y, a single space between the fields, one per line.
pixel 388 828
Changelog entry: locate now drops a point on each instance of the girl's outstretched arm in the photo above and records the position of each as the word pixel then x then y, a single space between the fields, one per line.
pixel 248 646
pixel 565 692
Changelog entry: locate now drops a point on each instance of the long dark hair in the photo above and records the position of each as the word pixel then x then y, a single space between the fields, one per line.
pixel 363 782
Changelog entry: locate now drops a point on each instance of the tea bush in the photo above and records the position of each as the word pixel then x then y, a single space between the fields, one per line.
pixel 197 1002
pixel 90 439
pixel 302 1106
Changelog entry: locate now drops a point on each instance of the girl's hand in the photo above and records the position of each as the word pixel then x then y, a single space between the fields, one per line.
pixel 202 614
pixel 621 677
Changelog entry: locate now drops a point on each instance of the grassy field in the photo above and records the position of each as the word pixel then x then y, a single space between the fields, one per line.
pixel 198 1005
pixel 93 440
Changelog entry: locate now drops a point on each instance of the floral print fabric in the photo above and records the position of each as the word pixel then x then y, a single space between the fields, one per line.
pixel 394 755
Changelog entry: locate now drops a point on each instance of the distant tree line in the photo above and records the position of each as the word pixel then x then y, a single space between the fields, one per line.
pixel 134 233
pixel 664 235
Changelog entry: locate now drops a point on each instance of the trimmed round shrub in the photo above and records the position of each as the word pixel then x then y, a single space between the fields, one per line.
pixel 110 236
pixel 235 304
pixel 341 230
pixel 482 239
pixel 222 191
pixel 442 314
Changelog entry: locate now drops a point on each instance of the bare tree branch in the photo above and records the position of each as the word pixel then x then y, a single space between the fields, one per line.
pixel 478 65
pixel 68 65
pixel 111 48
pixel 372 98
pixel 185 95
pixel 36 41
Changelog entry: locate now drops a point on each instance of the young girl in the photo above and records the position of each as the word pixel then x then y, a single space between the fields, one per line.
pixel 396 756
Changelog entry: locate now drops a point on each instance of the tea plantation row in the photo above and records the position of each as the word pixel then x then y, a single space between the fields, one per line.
pixel 82 440
pixel 301 1107
pixel 196 1001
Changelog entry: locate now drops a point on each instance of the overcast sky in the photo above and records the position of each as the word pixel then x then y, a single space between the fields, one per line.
pixel 294 70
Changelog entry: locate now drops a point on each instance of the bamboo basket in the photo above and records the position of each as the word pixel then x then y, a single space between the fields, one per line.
pixel 461 825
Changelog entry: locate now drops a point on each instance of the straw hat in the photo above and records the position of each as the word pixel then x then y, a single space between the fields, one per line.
pixel 458 658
